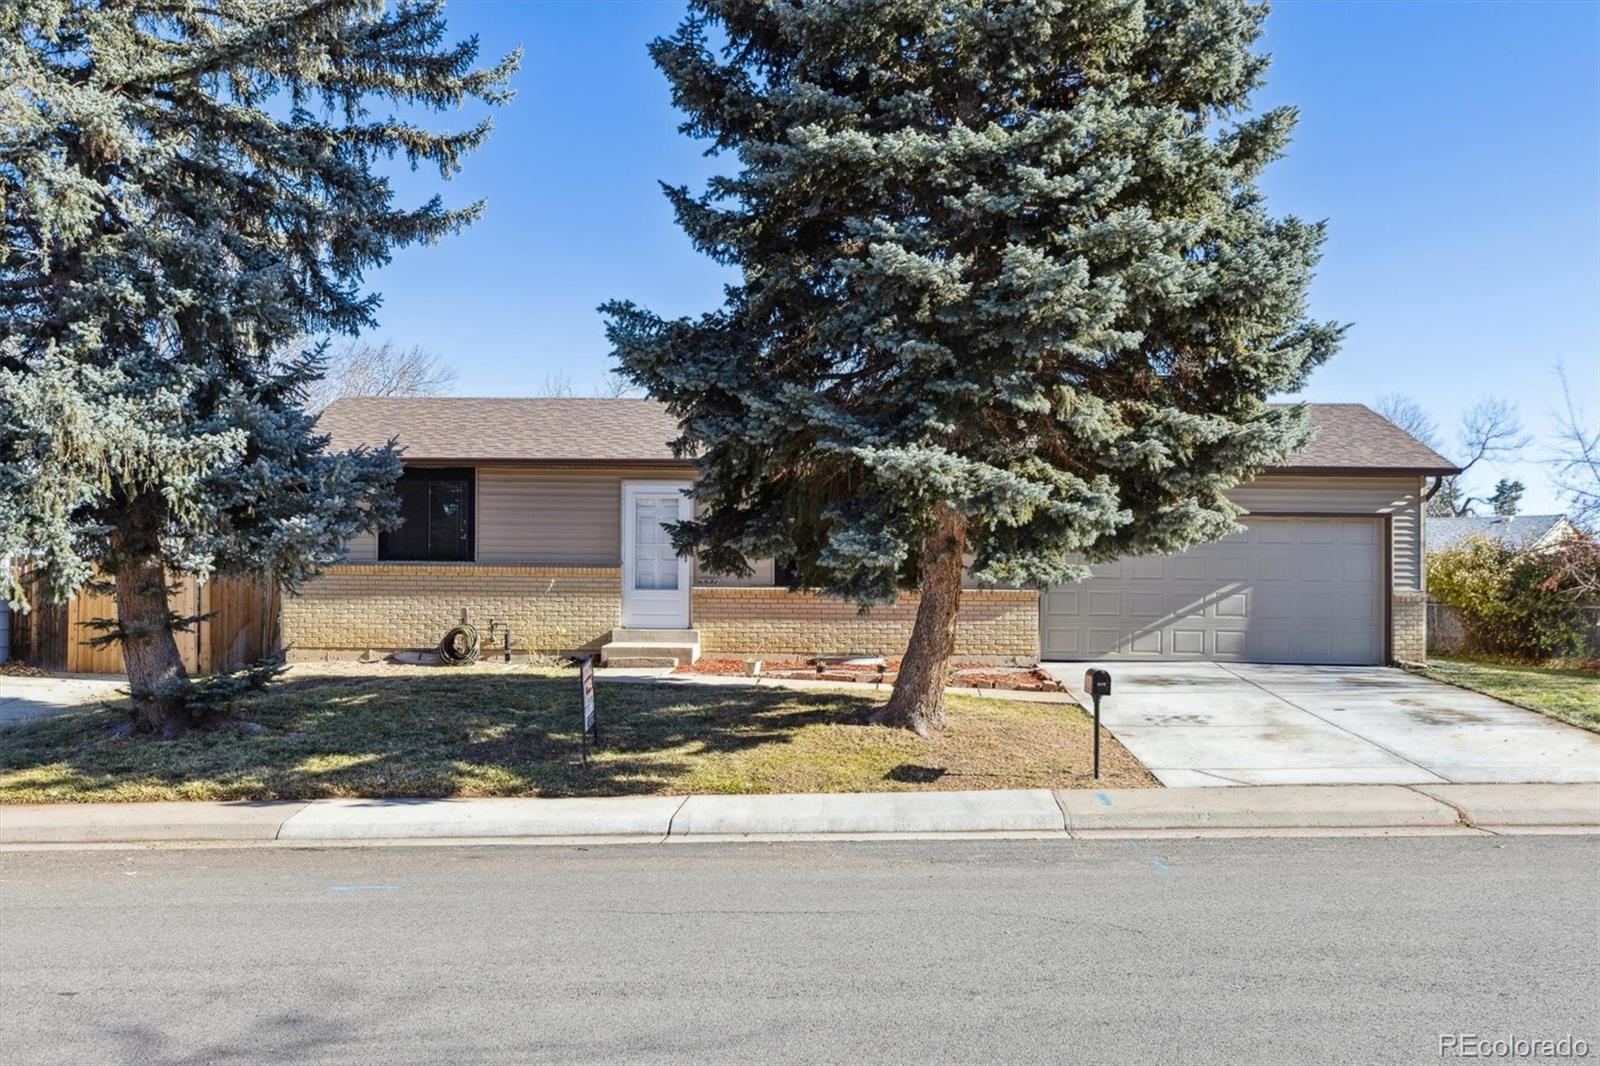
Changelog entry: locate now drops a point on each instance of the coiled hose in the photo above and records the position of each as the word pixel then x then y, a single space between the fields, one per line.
pixel 459 646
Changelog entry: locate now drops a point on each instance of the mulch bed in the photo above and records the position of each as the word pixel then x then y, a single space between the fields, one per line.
pixel 962 675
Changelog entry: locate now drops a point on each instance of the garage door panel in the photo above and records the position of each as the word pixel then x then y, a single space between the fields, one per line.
pixel 1146 643
pixel 1145 604
pixel 1228 568
pixel 1062 601
pixel 1149 568
pixel 1188 642
pixel 1105 604
pixel 1104 641
pixel 1285 590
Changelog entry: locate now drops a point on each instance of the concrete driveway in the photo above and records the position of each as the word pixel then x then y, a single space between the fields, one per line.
pixel 22 698
pixel 1215 724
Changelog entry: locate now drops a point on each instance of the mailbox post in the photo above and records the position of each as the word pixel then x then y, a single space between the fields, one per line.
pixel 1097 683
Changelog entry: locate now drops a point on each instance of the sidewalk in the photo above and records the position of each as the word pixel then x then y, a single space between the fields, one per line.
pixel 1288 810
pixel 23 697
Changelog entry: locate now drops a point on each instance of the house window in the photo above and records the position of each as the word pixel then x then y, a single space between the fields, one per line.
pixel 435 517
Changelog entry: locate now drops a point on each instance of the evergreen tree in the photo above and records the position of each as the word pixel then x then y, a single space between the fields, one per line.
pixel 185 188
pixel 1009 293
pixel 1507 496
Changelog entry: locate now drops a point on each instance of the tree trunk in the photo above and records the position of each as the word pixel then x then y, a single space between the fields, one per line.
pixel 156 677
pixel 917 702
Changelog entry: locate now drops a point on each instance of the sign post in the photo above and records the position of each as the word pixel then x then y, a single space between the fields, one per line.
pixel 1097 683
pixel 591 724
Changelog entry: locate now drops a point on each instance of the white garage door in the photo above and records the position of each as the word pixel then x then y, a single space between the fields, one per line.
pixel 1289 590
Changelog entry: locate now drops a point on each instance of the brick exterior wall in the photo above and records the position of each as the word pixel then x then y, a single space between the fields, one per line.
pixel 993 624
pixel 1409 625
pixel 408 606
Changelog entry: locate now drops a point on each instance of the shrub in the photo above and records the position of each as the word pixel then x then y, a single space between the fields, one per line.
pixel 1520 604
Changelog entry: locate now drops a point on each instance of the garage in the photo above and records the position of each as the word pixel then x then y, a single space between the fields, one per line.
pixel 1290 589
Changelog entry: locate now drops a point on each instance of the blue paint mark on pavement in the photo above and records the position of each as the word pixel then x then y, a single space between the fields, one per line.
pixel 1103 798
pixel 1158 864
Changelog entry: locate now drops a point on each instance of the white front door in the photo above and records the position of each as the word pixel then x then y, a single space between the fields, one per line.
pixel 655 581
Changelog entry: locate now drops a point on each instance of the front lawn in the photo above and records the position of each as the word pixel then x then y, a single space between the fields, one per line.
pixel 342 730
pixel 1570 693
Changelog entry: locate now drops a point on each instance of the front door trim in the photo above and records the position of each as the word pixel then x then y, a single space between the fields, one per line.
pixel 653 608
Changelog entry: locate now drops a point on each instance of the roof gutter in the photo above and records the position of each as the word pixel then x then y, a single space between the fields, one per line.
pixel 1365 471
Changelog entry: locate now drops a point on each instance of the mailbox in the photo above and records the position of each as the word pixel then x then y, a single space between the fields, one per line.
pixel 1097 682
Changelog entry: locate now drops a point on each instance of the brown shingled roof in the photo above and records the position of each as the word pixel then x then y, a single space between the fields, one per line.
pixel 1350 438
pixel 495 430
pixel 1353 438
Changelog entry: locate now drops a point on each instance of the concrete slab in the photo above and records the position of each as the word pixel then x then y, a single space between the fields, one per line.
pixel 25 698
pixel 80 823
pixel 1289 807
pixel 1273 724
pixel 1522 805
pixel 355 819
pixel 877 812
pixel 1398 774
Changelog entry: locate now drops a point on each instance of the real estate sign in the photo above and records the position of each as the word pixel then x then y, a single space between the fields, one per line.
pixel 591 725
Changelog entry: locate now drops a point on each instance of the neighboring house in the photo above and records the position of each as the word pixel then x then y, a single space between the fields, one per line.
pixel 1522 532
pixel 545 515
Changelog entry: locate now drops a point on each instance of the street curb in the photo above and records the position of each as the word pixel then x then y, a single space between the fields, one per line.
pixel 1000 811
pixel 1574 805
pixel 391 819
pixel 1087 813
pixel 1256 807
pixel 92 823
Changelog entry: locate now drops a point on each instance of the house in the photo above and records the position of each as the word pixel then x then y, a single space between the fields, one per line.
pixel 1522 532
pixel 545 515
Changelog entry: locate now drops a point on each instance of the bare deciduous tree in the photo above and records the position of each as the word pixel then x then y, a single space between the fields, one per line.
pixel 365 368
pixel 1410 416
pixel 1489 430
pixel 1576 458
pixel 615 387
pixel 556 384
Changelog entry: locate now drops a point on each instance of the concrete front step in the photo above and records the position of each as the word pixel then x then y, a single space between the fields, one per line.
pixel 651 647
pixel 655 636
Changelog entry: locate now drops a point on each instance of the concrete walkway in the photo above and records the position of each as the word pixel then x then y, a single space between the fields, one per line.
pixel 656 819
pixel 1233 724
pixel 22 698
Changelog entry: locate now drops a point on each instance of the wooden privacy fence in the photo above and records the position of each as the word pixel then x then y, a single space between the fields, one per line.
pixel 243 627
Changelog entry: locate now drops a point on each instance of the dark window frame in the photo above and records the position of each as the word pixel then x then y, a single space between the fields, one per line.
pixel 466 475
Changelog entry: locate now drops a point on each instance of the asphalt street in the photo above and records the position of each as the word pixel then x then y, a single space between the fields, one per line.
pixel 1174 951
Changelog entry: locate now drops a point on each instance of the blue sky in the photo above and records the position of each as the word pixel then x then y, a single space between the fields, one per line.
pixel 1454 149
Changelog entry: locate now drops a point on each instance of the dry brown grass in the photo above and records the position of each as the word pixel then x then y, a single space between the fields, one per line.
pixel 345 730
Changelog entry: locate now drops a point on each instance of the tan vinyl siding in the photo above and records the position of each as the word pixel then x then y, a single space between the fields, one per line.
pixel 549 517
pixel 1398 497
pixel 531 516
pixel 363 549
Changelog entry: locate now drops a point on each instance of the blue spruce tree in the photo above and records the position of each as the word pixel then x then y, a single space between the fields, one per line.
pixel 1010 298
pixel 185 188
